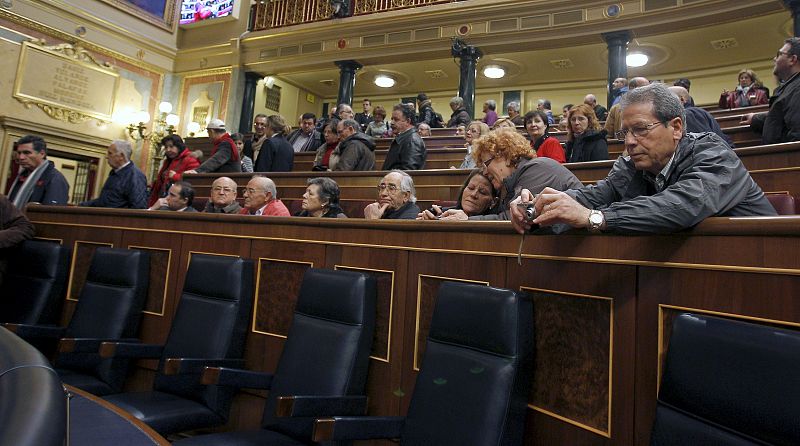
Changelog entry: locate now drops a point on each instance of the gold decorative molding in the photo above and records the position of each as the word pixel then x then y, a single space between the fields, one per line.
pixel 67 83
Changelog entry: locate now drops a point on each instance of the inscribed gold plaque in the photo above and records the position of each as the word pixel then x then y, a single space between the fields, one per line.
pixel 47 77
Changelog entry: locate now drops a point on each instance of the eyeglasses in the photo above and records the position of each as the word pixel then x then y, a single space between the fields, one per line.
pixel 781 53
pixel 218 189
pixel 638 132
pixel 384 186
pixel 487 162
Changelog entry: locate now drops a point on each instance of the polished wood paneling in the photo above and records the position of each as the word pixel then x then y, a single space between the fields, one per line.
pixel 601 301
pixel 278 287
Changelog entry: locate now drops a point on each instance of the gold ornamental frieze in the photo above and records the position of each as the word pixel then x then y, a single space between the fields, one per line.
pixel 66 82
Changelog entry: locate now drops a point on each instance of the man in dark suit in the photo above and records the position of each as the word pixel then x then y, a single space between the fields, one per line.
pixel 276 155
pixel 38 180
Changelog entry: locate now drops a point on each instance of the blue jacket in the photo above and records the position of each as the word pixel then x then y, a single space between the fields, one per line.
pixel 124 189
pixel 52 187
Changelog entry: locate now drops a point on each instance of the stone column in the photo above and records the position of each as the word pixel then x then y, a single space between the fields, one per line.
pixel 248 101
pixel 347 80
pixel 617 52
pixel 469 56
pixel 794 7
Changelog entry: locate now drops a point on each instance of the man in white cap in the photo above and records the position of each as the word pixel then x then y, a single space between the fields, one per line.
pixel 224 156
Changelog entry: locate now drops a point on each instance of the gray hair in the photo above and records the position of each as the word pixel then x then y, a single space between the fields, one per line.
pixel 457 101
pixel 328 189
pixel 123 147
pixel 352 123
pixel 666 105
pixel 492 104
pixel 514 105
pixel 341 107
pixel 406 184
pixel 266 184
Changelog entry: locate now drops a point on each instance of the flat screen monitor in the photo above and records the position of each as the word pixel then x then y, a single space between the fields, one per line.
pixel 195 11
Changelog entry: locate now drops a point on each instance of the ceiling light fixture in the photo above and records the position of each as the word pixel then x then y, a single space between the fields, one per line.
pixel 636 59
pixel 494 71
pixel 384 81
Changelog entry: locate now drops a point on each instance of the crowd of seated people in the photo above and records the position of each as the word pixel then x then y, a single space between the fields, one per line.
pixel 505 160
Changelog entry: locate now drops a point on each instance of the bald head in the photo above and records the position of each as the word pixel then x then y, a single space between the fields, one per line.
pixel 590 99
pixel 637 82
pixel 619 82
pixel 223 192
pixel 681 93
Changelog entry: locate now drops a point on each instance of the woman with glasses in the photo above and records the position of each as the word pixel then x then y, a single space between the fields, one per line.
pixel 507 160
pixel 476 197
pixel 750 91
pixel 536 124
pixel 321 199
pixel 474 130
pixel 324 151
pixel 585 140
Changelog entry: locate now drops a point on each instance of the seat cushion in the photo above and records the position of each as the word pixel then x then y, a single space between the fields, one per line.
pixel 164 412
pixel 85 382
pixel 241 438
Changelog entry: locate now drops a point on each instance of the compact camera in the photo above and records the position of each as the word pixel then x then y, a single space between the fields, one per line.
pixel 528 210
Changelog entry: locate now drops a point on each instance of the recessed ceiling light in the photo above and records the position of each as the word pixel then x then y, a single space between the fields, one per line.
pixel 384 81
pixel 494 71
pixel 636 59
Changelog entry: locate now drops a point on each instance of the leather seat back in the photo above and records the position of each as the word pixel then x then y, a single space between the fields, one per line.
pixel 33 287
pixel 328 344
pixel 475 377
pixel 729 382
pixel 109 307
pixel 33 406
pixel 211 322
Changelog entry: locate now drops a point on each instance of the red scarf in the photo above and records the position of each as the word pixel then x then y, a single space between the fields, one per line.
pixel 226 137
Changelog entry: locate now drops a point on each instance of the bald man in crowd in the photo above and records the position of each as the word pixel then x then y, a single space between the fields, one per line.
pixel 223 197
pixel 599 110
pixel 697 119
pixel 261 198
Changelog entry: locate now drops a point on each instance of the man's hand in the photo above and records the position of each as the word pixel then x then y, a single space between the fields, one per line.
pixel 428 215
pixel 747 119
pixel 554 207
pixel 374 211
pixel 518 220
pixel 161 202
pixel 190 171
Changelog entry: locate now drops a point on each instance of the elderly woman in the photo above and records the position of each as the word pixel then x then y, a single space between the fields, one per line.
pixel 324 151
pixel 321 199
pixel 749 92
pixel 476 197
pixel 507 160
pixel 378 126
pixel 585 140
pixel 475 130
pixel 536 124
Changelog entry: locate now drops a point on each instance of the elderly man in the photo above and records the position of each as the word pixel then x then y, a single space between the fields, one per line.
pixel 396 198
pixel 697 119
pixel 365 118
pixel 14 229
pixel 614 118
pixel 356 150
pixel 407 151
pixel 38 181
pixel 460 115
pixel 224 156
pixel 671 180
pixel 782 122
pixel 423 129
pixel 489 112
pixel 305 138
pixel 599 110
pixel 261 198
pixel 223 197
pixel 513 113
pixel 345 112
pixel 178 199
pixel 126 186
pixel 618 88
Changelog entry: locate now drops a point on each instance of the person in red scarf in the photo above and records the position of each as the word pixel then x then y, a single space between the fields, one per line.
pixel 224 156
pixel 177 160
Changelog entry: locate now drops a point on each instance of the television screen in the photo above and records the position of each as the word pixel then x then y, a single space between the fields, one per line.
pixel 193 11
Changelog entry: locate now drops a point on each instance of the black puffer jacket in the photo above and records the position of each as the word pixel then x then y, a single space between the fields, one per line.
pixel 591 146
pixel 407 152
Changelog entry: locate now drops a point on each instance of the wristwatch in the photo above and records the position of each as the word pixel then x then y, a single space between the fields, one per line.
pixel 596 220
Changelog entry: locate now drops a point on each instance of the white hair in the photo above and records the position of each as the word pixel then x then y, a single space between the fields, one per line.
pixel 123 147
pixel 266 184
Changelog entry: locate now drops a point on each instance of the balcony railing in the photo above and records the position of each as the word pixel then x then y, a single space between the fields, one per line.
pixel 267 14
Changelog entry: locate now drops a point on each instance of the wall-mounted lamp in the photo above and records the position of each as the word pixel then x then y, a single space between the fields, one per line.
pixel 164 125
pixel 193 128
pixel 269 82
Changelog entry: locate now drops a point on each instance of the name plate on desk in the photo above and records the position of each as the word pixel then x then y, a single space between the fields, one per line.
pixel 66 82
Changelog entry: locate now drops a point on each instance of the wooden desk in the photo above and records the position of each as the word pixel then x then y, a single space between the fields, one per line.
pixel 603 303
